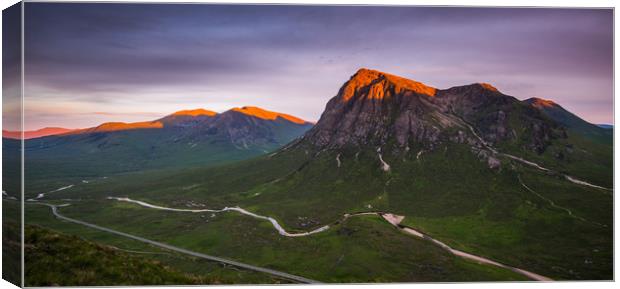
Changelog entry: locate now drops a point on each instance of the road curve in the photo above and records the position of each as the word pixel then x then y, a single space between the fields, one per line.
pixel 391 218
pixel 184 251
pixel 273 221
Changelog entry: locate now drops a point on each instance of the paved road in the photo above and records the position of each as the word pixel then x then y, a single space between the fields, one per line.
pixel 184 251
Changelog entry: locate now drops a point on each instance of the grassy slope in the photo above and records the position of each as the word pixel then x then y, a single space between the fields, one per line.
pixel 448 193
pixel 11 215
pixel 122 152
pixel 363 249
pixel 11 252
pixel 54 259
pixel 579 154
pixel 493 215
pixel 195 270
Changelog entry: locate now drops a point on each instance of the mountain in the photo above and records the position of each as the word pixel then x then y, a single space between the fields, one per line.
pixel 470 166
pixel 47 131
pixel 570 120
pixel 392 114
pixel 606 126
pixel 182 139
pixel 376 108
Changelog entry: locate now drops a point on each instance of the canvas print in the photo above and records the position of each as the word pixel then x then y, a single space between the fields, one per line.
pixel 197 144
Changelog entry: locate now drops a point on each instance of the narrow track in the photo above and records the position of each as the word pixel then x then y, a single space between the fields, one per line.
pixel 276 273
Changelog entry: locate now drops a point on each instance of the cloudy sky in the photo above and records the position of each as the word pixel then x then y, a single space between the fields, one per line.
pixel 90 63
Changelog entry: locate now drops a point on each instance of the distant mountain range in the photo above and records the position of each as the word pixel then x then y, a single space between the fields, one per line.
pixel 179 118
pixel 184 138
pixel 46 131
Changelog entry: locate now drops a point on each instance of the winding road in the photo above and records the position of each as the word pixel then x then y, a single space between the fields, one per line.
pixel 391 218
pixel 273 221
pixel 181 250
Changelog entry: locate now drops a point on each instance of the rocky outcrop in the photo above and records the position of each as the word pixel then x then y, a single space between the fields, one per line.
pixel 491 113
pixel 375 109
pixel 249 126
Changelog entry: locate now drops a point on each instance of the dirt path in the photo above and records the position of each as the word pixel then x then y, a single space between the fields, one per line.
pixel 553 204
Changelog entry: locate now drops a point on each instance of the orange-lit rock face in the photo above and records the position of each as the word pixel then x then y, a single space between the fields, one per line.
pixel 195 112
pixel 116 126
pixel 539 102
pixel 380 85
pixel 489 87
pixel 268 115
pixel 36 133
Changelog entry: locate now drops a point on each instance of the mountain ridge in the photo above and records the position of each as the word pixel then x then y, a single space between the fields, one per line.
pixel 571 121
pixel 182 139
pixel 45 131
pixel 174 119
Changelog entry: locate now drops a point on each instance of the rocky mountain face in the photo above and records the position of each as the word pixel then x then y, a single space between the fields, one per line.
pixel 249 126
pixel 379 109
